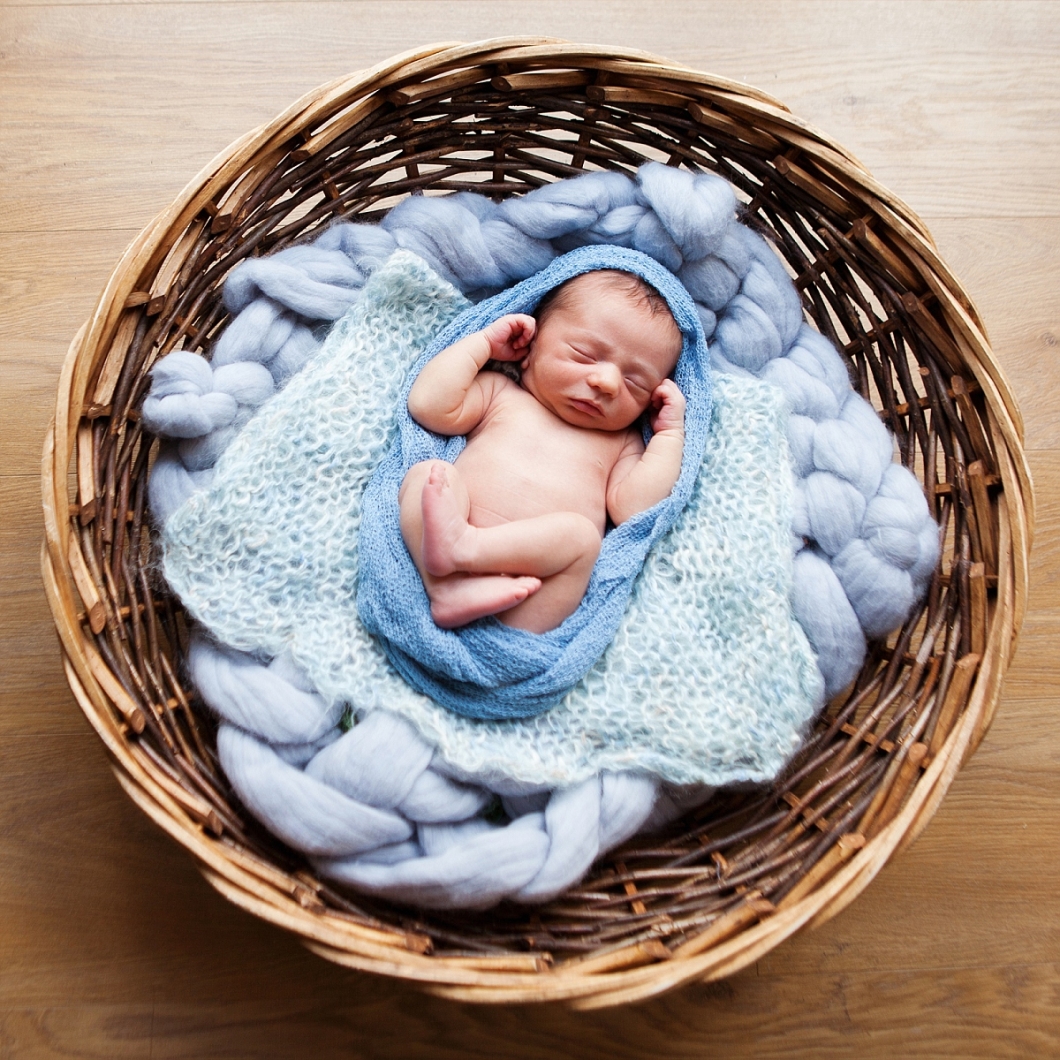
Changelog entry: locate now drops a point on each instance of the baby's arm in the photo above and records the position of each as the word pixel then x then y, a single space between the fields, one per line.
pixel 449 396
pixel 643 476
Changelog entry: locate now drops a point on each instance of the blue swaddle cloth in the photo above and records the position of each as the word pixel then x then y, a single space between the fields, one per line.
pixel 487 670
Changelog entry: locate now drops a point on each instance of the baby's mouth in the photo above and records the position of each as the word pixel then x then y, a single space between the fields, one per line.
pixel 588 407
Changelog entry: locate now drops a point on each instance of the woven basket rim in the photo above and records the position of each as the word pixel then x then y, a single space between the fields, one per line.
pixel 605 978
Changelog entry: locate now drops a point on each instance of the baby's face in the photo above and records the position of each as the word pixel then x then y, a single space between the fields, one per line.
pixel 597 358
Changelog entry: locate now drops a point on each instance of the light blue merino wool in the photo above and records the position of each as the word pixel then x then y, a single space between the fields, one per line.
pixel 488 670
pixel 710 678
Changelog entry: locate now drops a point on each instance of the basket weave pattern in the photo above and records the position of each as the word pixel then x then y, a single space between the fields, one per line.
pixel 736 877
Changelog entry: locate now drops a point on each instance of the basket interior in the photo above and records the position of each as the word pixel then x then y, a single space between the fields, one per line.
pixel 501 127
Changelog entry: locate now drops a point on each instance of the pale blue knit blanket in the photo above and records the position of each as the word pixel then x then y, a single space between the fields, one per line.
pixel 488 670
pixel 709 677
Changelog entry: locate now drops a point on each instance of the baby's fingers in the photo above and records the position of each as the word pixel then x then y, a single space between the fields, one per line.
pixel 670 403
pixel 668 393
pixel 523 328
pixel 510 335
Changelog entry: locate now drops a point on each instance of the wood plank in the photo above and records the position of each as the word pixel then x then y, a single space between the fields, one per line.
pixel 87 1032
pixel 953 900
pixel 1035 673
pixel 34 695
pixel 48 287
pixel 50 283
pixel 29 375
pixel 1045 557
pixel 994 258
pixel 98 905
pixel 1012 1011
pixel 220 72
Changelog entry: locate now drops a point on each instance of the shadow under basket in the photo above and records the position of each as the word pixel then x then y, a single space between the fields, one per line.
pixel 737 876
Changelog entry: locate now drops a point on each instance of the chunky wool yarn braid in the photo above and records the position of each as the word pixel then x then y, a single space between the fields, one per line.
pixel 864 542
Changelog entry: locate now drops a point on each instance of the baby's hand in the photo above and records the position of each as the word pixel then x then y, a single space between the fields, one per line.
pixel 669 405
pixel 509 337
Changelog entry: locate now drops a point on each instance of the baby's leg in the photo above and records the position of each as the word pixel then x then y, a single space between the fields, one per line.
pixel 560 548
pixel 456 598
pixel 543 545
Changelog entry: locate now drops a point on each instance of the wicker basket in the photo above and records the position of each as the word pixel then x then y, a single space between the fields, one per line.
pixel 499 117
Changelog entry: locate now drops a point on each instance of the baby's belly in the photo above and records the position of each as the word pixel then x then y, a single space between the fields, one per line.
pixel 523 487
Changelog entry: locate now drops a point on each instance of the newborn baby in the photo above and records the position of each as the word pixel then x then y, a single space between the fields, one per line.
pixel 514 527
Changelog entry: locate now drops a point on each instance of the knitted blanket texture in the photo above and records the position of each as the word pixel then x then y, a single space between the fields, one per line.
pixel 708 678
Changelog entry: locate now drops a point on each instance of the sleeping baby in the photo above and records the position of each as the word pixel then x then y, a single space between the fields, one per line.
pixel 514 527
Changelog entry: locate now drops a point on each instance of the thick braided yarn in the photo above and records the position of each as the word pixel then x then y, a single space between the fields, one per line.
pixel 378 806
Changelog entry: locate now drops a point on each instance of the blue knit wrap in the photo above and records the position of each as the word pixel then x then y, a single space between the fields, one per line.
pixel 488 670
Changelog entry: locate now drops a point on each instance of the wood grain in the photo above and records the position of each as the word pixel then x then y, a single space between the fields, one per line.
pixel 111 944
pixel 212 72
pixel 999 1012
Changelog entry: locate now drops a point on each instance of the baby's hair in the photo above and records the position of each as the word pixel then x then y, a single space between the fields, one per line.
pixel 615 279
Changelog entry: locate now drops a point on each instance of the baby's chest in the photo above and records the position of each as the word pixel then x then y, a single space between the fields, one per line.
pixel 550 466
pixel 531 436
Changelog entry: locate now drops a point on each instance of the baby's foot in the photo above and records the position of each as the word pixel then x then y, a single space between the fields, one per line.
pixel 457 601
pixel 444 526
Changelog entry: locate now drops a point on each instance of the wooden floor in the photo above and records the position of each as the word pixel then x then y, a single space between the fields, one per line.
pixel 111 945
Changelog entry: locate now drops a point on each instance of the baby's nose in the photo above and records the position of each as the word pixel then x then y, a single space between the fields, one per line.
pixel 605 377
